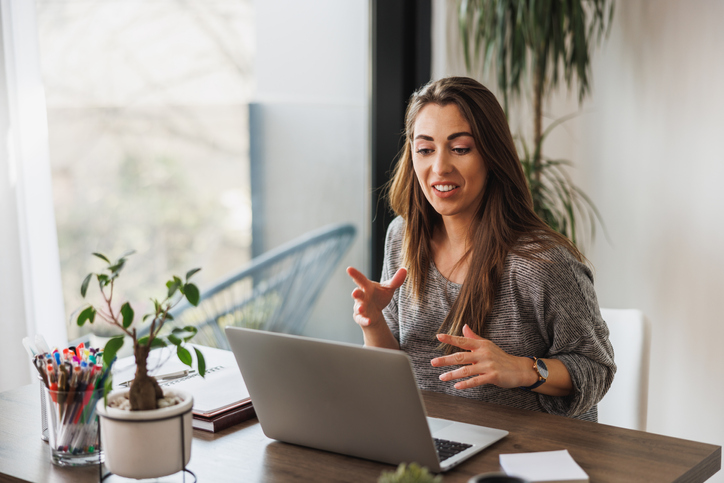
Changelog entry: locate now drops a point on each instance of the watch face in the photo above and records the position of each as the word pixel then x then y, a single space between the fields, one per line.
pixel 542 369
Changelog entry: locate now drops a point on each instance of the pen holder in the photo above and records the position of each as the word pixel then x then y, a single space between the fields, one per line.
pixel 73 426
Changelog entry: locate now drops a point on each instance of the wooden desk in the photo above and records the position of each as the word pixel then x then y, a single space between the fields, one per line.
pixel 243 453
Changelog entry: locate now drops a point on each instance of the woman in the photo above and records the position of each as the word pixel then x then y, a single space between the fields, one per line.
pixel 484 297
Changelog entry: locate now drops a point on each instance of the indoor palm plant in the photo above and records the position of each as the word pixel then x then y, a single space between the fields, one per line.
pixel 533 45
pixel 148 440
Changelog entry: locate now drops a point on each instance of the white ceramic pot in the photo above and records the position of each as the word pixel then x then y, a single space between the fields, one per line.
pixel 146 444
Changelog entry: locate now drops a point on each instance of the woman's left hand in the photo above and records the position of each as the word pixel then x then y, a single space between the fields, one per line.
pixel 483 363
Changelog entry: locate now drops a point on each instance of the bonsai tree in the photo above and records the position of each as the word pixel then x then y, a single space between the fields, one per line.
pixel 534 45
pixel 144 391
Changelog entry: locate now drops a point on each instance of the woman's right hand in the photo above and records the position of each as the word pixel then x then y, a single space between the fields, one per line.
pixel 371 297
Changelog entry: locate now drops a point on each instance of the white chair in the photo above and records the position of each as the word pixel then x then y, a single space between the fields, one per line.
pixel 625 404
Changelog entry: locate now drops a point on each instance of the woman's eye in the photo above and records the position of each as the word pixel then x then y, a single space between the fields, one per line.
pixel 424 151
pixel 461 150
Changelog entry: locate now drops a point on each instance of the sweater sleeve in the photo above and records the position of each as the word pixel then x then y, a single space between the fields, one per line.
pixel 568 316
pixel 390 264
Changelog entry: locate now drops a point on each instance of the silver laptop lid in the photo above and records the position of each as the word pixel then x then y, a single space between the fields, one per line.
pixel 338 397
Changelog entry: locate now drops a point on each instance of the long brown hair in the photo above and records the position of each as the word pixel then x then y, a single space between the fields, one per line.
pixel 504 221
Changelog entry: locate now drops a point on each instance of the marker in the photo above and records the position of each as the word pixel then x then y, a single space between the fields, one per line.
pixel 62 389
pixel 39 364
pixel 72 395
pixel 80 394
pixel 74 377
pixel 53 382
pixel 49 359
pixel 52 378
pixel 90 386
pixel 63 378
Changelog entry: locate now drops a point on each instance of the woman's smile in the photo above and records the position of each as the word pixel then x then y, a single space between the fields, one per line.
pixel 445 190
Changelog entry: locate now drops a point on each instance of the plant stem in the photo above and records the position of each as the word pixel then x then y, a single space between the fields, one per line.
pixel 110 317
pixel 537 119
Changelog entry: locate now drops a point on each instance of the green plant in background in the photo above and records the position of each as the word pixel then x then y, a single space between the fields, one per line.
pixel 534 44
pixel 144 391
pixel 411 473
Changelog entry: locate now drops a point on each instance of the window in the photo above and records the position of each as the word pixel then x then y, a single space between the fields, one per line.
pixel 149 139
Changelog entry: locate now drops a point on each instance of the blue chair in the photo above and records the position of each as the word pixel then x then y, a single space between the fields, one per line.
pixel 275 292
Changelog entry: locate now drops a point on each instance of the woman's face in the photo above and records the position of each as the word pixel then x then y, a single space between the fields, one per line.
pixel 447 163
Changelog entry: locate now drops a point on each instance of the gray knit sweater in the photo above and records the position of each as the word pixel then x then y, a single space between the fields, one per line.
pixel 547 310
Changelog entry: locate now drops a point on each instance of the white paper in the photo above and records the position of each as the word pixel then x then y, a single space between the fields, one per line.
pixel 543 466
pixel 222 386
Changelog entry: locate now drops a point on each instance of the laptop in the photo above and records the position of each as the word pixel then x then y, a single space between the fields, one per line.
pixel 348 399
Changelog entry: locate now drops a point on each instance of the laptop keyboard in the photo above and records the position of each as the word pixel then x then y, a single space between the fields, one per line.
pixel 446 449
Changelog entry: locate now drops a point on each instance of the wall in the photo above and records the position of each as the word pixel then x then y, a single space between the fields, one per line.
pixel 651 156
pixel 648 150
pixel 311 111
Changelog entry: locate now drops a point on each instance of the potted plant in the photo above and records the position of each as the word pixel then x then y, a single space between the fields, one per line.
pixel 145 432
pixel 412 473
pixel 533 45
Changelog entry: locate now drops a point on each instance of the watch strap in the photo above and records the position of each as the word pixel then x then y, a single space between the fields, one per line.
pixel 540 380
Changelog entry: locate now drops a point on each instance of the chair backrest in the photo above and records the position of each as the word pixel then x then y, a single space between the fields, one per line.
pixel 275 292
pixel 626 402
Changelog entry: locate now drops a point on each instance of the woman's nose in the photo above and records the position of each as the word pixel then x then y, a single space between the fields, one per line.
pixel 442 164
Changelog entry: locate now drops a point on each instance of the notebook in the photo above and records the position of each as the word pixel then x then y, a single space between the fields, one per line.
pixel 348 399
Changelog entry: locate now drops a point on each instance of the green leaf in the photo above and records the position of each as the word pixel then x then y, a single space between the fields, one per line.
pixel 157 342
pixel 87 315
pixel 103 280
pixel 191 273
pixel 201 362
pixel 173 285
pixel 184 355
pixel 111 349
pixel 84 285
pixel 127 313
pixel 117 267
pixel 172 338
pixel 187 333
pixel 102 257
pixel 192 294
